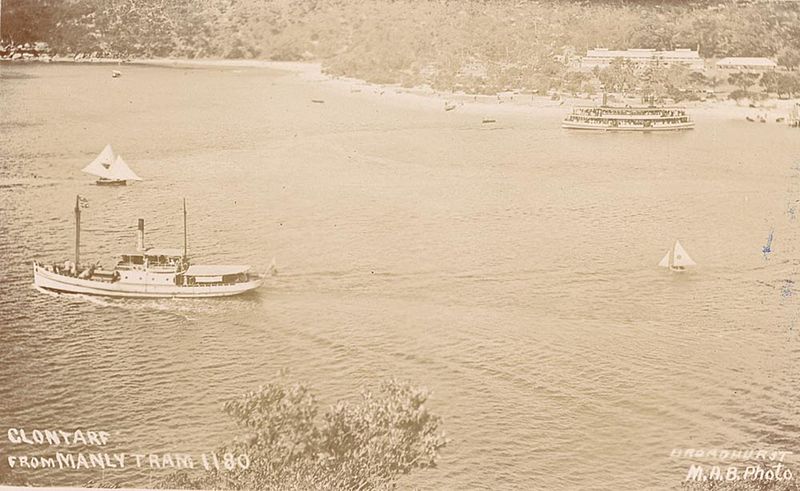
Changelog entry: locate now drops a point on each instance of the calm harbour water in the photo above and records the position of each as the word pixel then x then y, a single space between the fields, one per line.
pixel 510 270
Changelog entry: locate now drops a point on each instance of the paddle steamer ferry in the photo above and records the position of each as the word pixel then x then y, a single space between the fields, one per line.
pixel 628 118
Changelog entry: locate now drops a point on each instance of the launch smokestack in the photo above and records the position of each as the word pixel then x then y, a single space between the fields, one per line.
pixel 140 236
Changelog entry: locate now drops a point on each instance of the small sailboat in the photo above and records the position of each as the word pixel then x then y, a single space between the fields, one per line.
pixel 111 169
pixel 677 259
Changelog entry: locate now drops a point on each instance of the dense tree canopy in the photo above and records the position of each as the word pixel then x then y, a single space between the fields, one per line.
pixel 329 28
pixel 473 45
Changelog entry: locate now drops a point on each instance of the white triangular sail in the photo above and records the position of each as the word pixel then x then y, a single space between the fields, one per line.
pixel 120 171
pixel 100 166
pixel 665 262
pixel 680 257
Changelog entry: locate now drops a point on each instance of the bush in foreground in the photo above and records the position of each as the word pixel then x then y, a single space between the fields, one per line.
pixel 367 444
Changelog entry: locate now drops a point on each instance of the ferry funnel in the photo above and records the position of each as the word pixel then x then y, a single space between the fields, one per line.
pixel 140 236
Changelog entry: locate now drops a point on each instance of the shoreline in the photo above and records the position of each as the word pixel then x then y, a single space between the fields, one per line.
pixel 425 97
pixel 504 103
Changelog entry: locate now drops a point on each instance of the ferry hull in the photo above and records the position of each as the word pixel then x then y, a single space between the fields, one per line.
pixel 69 284
pixel 571 125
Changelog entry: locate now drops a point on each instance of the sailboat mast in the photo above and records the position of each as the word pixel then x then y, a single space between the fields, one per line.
pixel 77 230
pixel 184 230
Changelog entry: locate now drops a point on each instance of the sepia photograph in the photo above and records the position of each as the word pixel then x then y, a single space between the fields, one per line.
pixel 400 245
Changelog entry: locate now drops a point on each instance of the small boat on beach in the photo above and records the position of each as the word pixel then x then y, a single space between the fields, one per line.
pixel 111 169
pixel 677 259
pixel 144 273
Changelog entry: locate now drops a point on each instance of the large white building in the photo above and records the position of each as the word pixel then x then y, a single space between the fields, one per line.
pixel 744 64
pixel 602 58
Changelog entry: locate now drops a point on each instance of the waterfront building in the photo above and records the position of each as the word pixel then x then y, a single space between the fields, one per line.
pixel 746 64
pixel 602 58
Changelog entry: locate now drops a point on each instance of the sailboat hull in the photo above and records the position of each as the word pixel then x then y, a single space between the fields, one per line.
pixel 110 182
pixel 52 281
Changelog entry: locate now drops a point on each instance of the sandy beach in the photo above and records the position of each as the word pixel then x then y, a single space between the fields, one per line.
pixel 486 106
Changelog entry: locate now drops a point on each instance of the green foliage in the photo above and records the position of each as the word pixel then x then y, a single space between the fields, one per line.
pixel 674 81
pixel 473 45
pixel 789 58
pixel 743 80
pixel 354 445
pixel 575 82
pixel 781 83
pixel 620 76
pixel 739 95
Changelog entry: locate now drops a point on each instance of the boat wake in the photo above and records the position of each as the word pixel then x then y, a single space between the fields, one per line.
pixel 45 291
pixel 95 300
pixel 188 309
pixel 171 306
pixel 177 306
pixel 74 296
